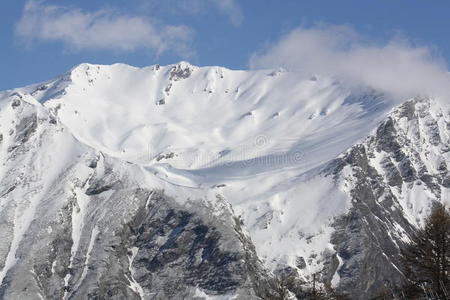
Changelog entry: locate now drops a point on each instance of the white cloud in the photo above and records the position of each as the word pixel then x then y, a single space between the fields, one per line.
pixel 232 9
pixel 103 29
pixel 396 67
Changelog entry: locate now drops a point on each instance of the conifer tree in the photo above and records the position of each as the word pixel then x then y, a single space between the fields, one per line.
pixel 427 257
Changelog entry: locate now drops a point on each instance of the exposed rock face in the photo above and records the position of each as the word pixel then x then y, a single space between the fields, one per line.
pixel 404 157
pixel 181 71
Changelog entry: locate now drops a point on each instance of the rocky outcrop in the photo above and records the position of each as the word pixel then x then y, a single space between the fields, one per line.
pixel 405 156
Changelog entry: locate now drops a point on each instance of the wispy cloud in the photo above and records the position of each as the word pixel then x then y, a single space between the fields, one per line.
pixel 397 66
pixel 102 29
pixel 230 8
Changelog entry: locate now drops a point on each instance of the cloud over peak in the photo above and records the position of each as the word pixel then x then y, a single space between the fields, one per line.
pixel 100 30
pixel 396 67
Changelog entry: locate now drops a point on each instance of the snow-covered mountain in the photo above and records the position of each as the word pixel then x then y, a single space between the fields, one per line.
pixel 202 182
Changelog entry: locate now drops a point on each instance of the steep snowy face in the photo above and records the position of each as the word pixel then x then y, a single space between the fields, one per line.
pixel 203 127
pixel 257 137
pixel 412 152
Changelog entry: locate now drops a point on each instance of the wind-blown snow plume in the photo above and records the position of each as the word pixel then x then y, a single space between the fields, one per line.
pixel 397 66
pixel 103 29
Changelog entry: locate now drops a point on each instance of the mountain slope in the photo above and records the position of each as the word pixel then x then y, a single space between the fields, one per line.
pixel 74 218
pixel 394 177
pixel 181 181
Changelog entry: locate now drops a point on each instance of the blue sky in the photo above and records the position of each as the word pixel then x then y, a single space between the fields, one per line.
pixel 41 39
